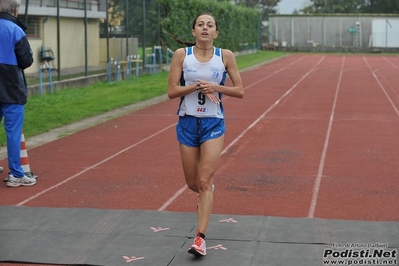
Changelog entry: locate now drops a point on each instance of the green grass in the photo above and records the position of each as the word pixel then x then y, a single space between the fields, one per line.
pixel 66 106
pixel 244 61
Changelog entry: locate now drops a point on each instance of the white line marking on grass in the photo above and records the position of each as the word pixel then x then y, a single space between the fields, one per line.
pixel 180 191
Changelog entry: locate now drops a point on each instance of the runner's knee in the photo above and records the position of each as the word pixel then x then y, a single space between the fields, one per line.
pixel 205 185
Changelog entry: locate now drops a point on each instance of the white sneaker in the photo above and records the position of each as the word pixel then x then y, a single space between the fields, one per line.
pixel 198 249
pixel 21 181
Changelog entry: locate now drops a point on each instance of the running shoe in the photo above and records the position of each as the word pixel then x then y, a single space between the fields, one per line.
pixel 198 249
pixel 20 181
pixel 30 175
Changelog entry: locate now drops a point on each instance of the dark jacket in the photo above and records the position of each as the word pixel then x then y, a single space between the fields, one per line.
pixel 15 55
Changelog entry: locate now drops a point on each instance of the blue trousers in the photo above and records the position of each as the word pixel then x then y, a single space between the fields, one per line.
pixel 13 115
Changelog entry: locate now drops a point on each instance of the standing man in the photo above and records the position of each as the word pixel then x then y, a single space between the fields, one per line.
pixel 15 55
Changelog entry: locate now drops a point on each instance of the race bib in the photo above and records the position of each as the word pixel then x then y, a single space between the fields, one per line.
pixel 198 104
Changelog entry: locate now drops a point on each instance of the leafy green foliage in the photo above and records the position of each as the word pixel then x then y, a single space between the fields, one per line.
pixel 381 6
pixel 353 6
pixel 266 6
pixel 237 24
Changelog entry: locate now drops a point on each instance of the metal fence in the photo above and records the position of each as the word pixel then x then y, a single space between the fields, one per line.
pixel 335 31
pixel 83 35
pixel 74 4
pixel 138 19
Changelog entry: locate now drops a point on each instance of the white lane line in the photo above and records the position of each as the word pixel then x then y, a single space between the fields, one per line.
pixel 118 153
pixel 180 191
pixel 316 185
pixel 172 199
pixel 93 166
pixel 381 86
pixel 392 64
pixel 275 72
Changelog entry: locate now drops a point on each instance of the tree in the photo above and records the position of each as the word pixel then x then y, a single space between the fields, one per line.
pixel 381 6
pixel 116 13
pixel 353 6
pixel 334 6
pixel 265 6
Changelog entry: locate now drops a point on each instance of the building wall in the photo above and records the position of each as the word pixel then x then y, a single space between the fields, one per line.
pixel 385 32
pixel 318 30
pixel 72 31
pixel 72 43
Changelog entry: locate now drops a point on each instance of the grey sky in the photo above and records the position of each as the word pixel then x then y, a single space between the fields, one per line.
pixel 288 6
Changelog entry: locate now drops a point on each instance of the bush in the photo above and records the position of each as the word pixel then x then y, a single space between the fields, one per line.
pixel 237 24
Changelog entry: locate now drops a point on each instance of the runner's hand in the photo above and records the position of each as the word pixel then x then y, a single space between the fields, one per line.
pixel 208 89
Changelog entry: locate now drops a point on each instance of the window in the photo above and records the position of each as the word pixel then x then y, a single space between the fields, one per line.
pixel 32 25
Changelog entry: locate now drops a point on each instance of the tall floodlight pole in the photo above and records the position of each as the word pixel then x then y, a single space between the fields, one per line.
pixel 58 42
pixel 260 32
pixel 85 22
pixel 386 31
pixel 127 26
pixel 26 13
pixel 159 24
pixel 107 24
pixel 144 32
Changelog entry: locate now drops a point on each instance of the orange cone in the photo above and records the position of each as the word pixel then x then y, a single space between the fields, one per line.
pixel 24 158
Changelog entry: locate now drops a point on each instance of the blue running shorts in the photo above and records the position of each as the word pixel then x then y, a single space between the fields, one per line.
pixel 193 131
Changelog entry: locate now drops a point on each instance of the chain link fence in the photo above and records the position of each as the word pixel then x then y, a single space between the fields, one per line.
pixel 103 39
pixel 361 33
pixel 72 38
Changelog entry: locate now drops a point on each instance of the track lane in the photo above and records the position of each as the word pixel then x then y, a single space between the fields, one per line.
pixel 242 178
pixel 361 165
pixel 268 168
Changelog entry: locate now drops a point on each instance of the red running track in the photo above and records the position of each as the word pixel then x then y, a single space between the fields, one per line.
pixel 314 136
